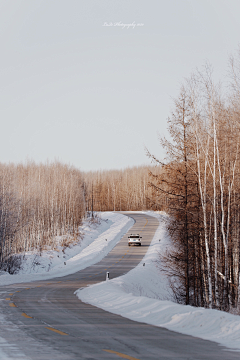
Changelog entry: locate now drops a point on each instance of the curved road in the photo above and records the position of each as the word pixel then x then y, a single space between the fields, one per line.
pixel 54 324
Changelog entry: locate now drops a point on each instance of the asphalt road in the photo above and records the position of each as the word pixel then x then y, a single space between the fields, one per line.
pixel 45 320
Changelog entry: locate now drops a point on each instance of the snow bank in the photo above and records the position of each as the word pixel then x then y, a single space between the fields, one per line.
pixel 98 241
pixel 142 295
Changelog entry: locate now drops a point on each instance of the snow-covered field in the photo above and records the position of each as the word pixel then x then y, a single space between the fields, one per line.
pixel 143 295
pixel 98 239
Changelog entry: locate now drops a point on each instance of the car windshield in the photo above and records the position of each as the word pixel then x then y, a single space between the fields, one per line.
pixel 134 236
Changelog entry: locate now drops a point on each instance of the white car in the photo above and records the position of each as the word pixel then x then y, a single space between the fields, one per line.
pixel 134 239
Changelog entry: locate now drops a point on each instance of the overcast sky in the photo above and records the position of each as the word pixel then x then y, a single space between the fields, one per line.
pixel 78 87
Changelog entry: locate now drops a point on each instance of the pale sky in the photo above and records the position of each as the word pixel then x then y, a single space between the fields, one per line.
pixel 91 95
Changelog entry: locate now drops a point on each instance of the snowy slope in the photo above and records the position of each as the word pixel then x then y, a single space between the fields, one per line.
pixel 143 295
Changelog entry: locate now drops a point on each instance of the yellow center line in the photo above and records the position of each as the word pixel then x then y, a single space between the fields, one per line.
pixel 57 331
pixel 11 294
pixel 12 305
pixel 121 355
pixel 18 291
pixel 144 225
pixel 26 316
pixel 27 288
pixel 7 299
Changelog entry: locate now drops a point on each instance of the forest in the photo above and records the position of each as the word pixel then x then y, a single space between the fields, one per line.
pixel 120 190
pixel 42 204
pixel 38 203
pixel 200 181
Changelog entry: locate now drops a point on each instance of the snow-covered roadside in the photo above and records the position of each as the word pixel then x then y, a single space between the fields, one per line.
pixel 98 240
pixel 142 295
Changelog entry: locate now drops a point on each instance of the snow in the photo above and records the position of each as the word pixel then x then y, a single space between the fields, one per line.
pixel 143 295
pixel 97 240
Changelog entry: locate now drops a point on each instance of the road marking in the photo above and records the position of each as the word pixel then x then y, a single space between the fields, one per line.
pixel 7 299
pixel 18 291
pixel 12 305
pixel 121 355
pixel 144 225
pixel 26 316
pixel 11 294
pixel 27 288
pixel 57 331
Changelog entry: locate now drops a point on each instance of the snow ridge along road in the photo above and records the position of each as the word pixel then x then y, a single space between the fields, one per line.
pixel 54 324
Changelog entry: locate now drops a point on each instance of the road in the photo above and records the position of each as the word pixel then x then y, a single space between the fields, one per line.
pixel 47 321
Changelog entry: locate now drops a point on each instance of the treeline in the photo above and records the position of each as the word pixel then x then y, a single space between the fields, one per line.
pixel 37 204
pixel 119 190
pixel 199 187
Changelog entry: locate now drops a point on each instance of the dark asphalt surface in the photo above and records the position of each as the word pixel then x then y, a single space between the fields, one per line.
pixel 50 322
